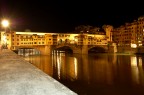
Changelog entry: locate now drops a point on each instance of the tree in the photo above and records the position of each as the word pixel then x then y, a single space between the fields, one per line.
pixel 83 28
pixel 95 30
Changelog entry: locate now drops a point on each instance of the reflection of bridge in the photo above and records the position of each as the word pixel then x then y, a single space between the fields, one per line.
pixel 79 49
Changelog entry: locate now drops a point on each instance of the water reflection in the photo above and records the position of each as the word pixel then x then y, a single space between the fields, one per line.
pixel 41 62
pixel 88 73
pixel 137 70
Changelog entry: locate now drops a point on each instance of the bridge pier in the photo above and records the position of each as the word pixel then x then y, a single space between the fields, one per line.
pixel 82 49
pixel 47 50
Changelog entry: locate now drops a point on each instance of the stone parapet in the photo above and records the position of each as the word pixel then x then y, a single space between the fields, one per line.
pixel 19 77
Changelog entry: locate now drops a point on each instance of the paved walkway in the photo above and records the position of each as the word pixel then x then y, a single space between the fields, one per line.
pixel 19 77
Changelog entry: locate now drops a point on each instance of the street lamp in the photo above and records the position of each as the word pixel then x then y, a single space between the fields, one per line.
pixel 5 24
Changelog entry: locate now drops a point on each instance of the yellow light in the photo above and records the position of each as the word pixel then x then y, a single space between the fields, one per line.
pixel 4 39
pixel 76 40
pixel 5 23
pixel 133 61
pixel 75 67
pixel 133 45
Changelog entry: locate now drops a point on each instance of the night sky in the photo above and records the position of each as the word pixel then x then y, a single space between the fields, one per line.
pixel 65 15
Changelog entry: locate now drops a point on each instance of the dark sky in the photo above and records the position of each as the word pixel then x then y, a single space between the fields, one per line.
pixel 65 15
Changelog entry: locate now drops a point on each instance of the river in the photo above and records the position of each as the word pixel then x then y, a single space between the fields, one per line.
pixel 95 74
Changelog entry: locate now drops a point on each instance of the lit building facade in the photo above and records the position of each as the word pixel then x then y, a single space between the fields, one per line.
pixel 130 36
pixel 31 39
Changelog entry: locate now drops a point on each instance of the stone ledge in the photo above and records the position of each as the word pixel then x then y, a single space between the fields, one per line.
pixel 19 77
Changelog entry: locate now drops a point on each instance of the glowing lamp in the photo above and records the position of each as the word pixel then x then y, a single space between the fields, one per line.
pixel 5 23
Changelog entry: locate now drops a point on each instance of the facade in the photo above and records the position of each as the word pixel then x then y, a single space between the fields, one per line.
pixel 130 37
pixel 14 40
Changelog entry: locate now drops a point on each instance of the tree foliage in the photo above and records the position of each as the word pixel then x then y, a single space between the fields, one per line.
pixel 86 29
pixel 83 28
pixel 107 27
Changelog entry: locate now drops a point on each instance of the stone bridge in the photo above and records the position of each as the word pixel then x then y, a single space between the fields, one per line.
pixel 79 49
pixel 82 49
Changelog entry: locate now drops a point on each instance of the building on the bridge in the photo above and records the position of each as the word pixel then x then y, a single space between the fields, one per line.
pixel 130 37
pixel 16 40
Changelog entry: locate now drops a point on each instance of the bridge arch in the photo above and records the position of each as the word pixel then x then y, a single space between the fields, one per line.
pixel 97 49
pixel 68 47
pixel 64 48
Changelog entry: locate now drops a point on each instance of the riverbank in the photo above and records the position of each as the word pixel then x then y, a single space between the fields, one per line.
pixel 19 77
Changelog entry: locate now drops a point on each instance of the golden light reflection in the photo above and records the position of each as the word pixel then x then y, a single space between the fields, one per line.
pixel 140 61
pixel 133 61
pixel 134 70
pixel 59 65
pixel 76 68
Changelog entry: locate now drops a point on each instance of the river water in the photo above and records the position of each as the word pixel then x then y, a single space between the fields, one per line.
pixel 95 74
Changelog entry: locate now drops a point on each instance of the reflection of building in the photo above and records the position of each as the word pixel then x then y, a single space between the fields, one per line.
pixel 130 36
pixel 136 70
